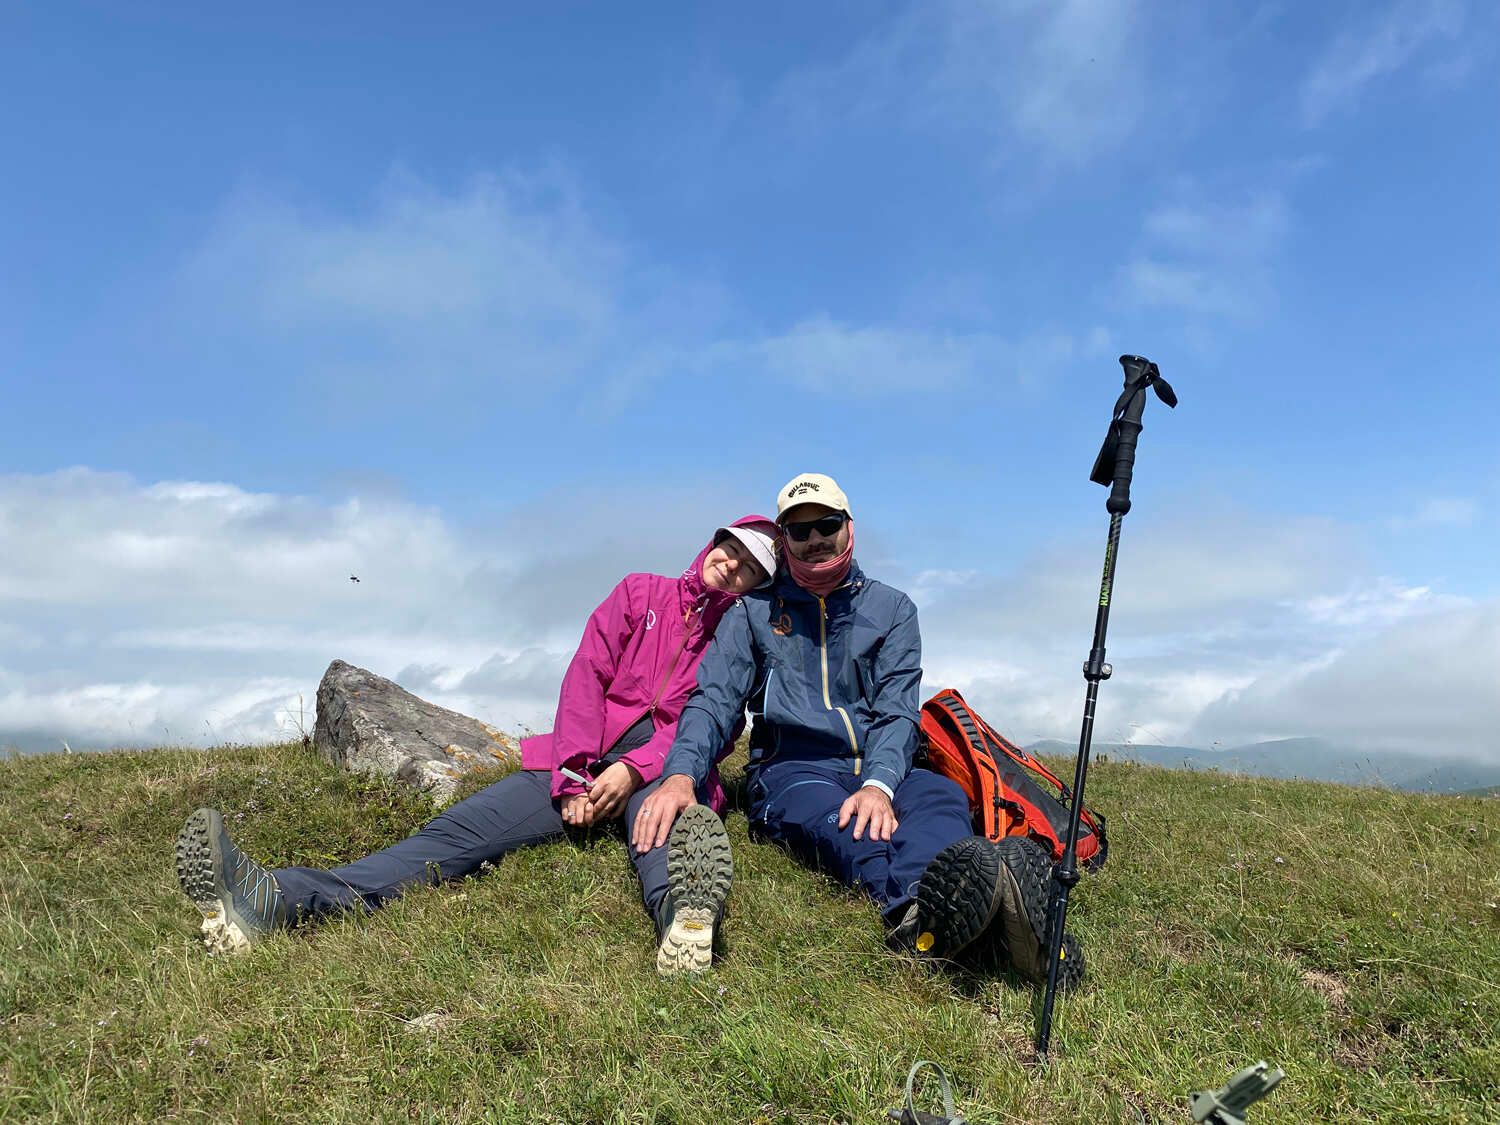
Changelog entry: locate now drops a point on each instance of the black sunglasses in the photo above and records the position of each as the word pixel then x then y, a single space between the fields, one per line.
pixel 827 527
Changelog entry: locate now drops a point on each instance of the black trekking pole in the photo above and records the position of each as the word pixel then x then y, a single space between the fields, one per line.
pixel 1113 467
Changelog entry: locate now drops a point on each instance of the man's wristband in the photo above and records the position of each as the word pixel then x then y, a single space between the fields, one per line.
pixel 882 786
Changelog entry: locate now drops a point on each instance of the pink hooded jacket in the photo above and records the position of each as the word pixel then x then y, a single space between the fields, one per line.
pixel 639 655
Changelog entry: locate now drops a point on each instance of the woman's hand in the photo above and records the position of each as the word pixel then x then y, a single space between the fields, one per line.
pixel 576 811
pixel 611 790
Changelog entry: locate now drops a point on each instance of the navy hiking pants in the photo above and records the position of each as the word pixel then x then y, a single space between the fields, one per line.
pixel 796 804
pixel 515 812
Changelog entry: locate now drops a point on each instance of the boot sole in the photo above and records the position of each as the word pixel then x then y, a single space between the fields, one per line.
pixel 958 897
pixel 700 869
pixel 1070 971
pixel 1026 872
pixel 200 867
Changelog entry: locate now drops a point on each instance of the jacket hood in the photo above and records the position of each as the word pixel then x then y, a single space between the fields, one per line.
pixel 695 592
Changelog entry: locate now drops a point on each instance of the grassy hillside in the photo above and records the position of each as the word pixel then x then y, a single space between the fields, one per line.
pixel 1350 936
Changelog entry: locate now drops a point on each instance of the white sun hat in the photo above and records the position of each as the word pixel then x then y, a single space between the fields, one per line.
pixel 760 546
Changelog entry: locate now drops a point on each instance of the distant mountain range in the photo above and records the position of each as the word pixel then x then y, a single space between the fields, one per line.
pixel 1308 758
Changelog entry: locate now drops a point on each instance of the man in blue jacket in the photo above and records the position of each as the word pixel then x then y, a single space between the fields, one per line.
pixel 830 662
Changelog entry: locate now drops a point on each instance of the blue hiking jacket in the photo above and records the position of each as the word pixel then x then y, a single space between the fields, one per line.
pixel 834 679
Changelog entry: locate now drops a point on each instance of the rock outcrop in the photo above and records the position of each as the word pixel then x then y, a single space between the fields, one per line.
pixel 370 724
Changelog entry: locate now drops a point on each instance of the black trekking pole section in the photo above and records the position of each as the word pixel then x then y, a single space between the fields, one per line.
pixel 1113 469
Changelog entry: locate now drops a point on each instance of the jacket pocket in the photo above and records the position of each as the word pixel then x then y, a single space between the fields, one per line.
pixel 864 674
pixel 770 718
pixel 775 702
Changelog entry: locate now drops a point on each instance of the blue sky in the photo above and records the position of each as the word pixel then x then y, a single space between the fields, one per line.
pixel 490 307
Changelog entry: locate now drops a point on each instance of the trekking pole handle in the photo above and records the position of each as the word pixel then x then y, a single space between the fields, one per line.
pixel 1137 375
pixel 1115 464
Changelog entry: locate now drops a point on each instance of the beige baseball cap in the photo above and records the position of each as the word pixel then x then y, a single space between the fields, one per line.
pixel 812 488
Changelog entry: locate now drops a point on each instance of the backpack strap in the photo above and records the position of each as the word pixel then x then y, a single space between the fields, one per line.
pixel 911 1115
pixel 987 745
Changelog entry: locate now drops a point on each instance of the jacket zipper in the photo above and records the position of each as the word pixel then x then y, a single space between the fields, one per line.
pixel 827 702
pixel 672 667
pixel 665 680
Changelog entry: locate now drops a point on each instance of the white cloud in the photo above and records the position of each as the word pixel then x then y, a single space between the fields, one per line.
pixel 1061 81
pixel 1426 684
pixel 1077 93
pixel 1222 630
pixel 1208 257
pixel 189 611
pixel 507 290
pixel 1439 511
pixel 1387 40
pixel 1237 231
pixel 509 285
pixel 821 354
pixel 1377 603
pixel 148 712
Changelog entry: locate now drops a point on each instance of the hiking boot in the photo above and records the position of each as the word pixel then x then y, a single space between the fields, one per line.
pixel 239 898
pixel 1020 926
pixel 902 935
pixel 699 871
pixel 957 897
pixel 1070 964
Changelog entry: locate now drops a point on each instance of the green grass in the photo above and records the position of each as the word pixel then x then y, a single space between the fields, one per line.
pixel 1349 936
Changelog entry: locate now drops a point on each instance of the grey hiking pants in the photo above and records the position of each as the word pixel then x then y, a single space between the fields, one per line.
pixel 515 812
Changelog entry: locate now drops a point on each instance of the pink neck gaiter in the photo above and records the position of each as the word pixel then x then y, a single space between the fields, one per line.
pixel 824 577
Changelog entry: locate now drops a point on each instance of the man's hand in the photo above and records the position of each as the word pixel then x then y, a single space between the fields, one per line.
pixel 576 811
pixel 871 808
pixel 611 790
pixel 660 810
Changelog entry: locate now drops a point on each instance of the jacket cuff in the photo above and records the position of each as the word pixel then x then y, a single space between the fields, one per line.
pixel 566 786
pixel 871 783
pixel 885 775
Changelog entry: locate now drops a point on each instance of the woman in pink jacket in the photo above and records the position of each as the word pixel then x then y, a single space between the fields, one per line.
pixel 616 716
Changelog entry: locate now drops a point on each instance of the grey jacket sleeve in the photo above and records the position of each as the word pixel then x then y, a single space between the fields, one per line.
pixel 725 679
pixel 892 738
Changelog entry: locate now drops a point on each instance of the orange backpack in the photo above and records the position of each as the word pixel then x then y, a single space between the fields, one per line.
pixel 1003 782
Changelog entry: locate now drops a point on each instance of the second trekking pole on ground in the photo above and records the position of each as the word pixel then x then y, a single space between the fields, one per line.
pixel 1112 468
